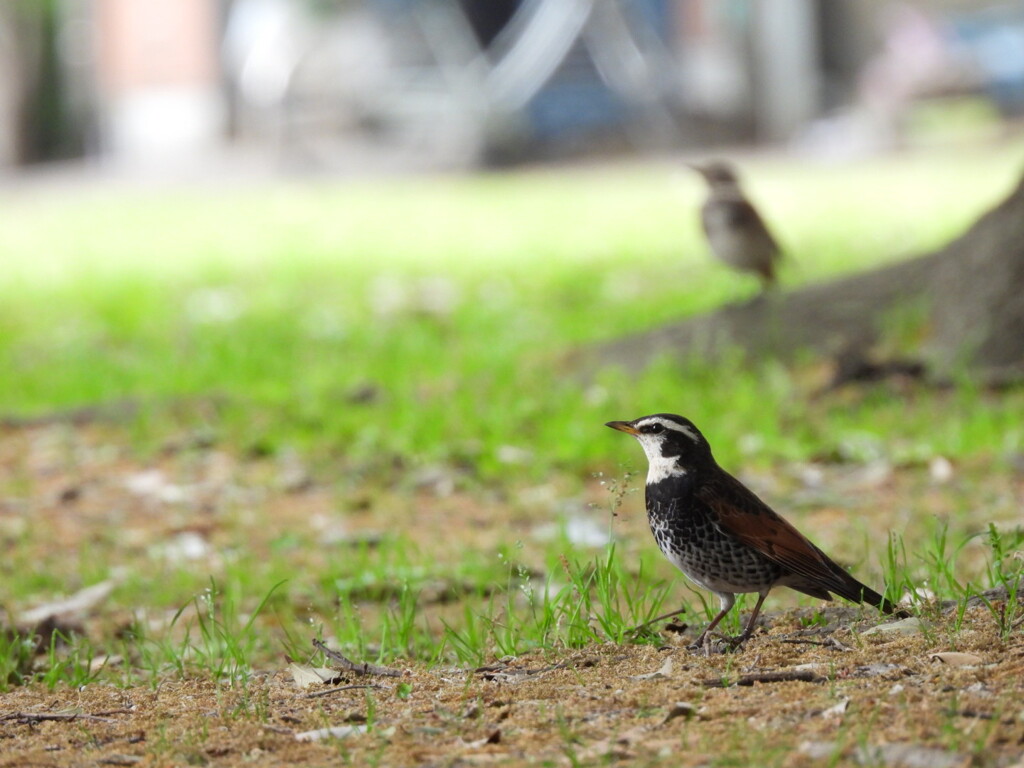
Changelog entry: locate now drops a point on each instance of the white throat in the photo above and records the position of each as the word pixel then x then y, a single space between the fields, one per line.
pixel 659 467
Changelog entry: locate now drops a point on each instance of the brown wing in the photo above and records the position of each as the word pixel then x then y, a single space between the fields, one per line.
pixel 757 224
pixel 736 212
pixel 742 514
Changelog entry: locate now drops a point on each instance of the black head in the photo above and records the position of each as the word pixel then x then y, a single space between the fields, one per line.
pixel 672 443
pixel 717 172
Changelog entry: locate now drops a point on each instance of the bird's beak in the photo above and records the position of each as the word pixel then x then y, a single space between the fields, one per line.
pixel 623 426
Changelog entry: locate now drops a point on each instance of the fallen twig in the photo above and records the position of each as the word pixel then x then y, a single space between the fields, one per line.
pixel 502 669
pixel 38 717
pixel 782 676
pixel 350 666
pixel 829 642
pixel 329 691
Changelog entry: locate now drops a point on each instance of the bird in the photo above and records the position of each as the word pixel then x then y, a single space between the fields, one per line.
pixel 721 535
pixel 735 231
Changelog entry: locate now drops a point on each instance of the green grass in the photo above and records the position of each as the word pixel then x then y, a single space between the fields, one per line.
pixel 377 328
pixel 232 627
pixel 259 314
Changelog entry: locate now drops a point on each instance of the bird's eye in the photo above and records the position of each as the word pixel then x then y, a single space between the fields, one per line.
pixel 655 429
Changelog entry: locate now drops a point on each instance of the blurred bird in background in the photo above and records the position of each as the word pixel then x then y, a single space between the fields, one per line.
pixel 735 230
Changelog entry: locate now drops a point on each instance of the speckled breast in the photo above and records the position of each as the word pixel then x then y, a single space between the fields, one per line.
pixel 708 556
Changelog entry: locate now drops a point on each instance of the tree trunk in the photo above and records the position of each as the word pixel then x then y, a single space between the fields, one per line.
pixel 965 303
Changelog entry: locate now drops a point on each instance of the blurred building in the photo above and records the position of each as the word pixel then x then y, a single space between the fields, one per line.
pixel 157 76
pixel 458 82
pixel 124 80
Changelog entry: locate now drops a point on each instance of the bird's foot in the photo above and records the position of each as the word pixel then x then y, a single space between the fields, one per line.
pixel 715 642
pixel 733 643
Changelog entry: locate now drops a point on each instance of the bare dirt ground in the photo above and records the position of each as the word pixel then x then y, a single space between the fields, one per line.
pixel 802 692
pixel 881 699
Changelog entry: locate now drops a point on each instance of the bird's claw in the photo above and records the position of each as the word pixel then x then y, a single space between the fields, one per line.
pixel 725 643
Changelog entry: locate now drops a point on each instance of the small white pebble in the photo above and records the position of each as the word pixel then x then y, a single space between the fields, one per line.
pixel 940 469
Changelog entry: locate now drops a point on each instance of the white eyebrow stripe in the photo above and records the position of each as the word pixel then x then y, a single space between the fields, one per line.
pixel 672 425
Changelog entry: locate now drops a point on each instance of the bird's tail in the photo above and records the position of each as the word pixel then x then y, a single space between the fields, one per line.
pixel 861 593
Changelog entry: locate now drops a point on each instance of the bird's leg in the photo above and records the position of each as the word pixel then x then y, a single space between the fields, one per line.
pixel 748 630
pixel 727 601
pixel 646 624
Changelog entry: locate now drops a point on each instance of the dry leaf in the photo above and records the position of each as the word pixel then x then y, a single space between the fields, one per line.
pixel 956 659
pixel 305 676
pixel 680 709
pixel 911 626
pixel 492 738
pixel 837 711
pixel 837 645
pixel 101 662
pixel 665 671
pixel 72 609
pixel 337 732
